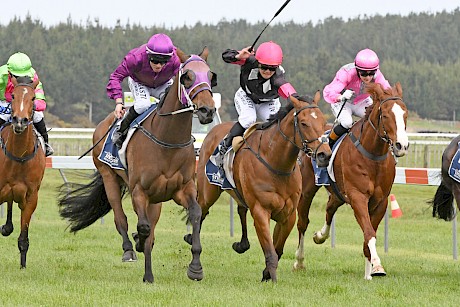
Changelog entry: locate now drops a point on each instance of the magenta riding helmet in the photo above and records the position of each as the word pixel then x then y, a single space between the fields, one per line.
pixel 367 59
pixel 269 53
pixel 161 46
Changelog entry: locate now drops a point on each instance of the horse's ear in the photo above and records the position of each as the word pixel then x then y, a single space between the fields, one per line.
pixel 182 56
pixel 317 97
pixel 35 83
pixel 399 89
pixel 204 53
pixel 14 80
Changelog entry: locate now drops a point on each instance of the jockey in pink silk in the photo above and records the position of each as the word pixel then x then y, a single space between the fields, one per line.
pixel 346 93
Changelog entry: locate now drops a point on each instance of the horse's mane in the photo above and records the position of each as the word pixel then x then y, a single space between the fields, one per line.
pixel 282 112
pixel 24 80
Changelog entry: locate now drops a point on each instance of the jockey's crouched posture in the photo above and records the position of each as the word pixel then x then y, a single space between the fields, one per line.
pixel 19 65
pixel 150 69
pixel 261 84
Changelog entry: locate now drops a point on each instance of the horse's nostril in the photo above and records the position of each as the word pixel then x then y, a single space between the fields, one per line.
pixel 398 146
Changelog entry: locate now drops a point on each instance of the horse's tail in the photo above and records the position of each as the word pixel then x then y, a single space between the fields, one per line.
pixel 83 204
pixel 442 203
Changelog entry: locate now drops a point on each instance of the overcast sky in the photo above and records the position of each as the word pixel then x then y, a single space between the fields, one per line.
pixel 172 13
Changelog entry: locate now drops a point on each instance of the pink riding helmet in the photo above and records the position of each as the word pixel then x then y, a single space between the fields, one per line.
pixel 160 44
pixel 269 53
pixel 367 59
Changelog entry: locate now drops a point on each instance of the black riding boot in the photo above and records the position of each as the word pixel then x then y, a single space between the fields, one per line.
pixel 336 133
pixel 236 130
pixel 41 128
pixel 2 122
pixel 120 134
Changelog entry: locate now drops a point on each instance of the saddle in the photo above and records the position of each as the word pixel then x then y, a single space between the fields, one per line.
pixel 238 141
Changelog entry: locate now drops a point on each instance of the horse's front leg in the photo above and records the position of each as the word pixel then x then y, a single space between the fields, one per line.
pixel 262 224
pixel 373 266
pixel 243 245
pixel 195 270
pixel 140 203
pixel 8 228
pixel 322 235
pixel 27 209
pixel 153 212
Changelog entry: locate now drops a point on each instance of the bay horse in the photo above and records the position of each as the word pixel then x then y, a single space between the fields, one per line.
pixel 22 162
pixel 364 168
pixel 449 189
pixel 266 175
pixel 160 167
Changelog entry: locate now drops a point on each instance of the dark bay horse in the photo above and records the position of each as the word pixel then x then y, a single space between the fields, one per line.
pixel 266 175
pixel 449 188
pixel 161 166
pixel 364 168
pixel 22 162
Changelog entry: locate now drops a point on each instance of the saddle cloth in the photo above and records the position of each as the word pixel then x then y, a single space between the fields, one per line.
pixel 454 168
pixel 110 154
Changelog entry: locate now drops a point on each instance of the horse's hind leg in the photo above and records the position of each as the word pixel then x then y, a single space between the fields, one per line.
pixel 243 245
pixel 8 228
pixel 332 205
pixel 303 210
pixel 113 192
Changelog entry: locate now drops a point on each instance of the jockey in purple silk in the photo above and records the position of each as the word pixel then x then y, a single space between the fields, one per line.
pixel 346 93
pixel 150 69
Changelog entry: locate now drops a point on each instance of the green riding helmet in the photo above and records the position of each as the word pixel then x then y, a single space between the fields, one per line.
pixel 19 64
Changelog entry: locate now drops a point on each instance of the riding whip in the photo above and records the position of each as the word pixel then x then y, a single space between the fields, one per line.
pixel 105 134
pixel 277 13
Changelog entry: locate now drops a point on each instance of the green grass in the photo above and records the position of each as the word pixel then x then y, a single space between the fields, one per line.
pixel 86 269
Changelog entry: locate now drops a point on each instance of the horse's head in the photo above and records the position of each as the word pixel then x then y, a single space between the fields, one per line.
pixel 389 117
pixel 310 124
pixel 22 105
pixel 195 83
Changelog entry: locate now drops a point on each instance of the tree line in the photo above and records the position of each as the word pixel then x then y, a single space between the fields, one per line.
pixel 74 61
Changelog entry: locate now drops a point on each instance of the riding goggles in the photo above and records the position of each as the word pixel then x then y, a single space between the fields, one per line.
pixel 159 59
pixel 267 67
pixel 365 73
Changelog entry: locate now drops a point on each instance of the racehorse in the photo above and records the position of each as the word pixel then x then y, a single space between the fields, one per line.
pixel 161 166
pixel 266 175
pixel 449 188
pixel 364 168
pixel 22 162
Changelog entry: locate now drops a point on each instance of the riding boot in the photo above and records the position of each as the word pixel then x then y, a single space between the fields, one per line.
pixel 119 135
pixel 41 128
pixel 236 130
pixel 336 133
pixel 2 122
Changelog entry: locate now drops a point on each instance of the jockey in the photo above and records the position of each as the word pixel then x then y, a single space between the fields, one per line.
pixel 150 69
pixel 19 65
pixel 346 92
pixel 261 83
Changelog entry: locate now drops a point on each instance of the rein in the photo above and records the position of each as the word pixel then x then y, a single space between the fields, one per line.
pixel 384 138
pixel 304 148
pixel 15 158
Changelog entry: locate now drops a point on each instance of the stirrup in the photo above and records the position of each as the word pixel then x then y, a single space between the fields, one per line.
pixel 118 138
pixel 48 150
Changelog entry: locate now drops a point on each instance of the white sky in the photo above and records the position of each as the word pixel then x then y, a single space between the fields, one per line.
pixel 172 13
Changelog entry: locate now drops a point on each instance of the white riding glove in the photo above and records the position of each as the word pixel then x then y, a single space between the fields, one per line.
pixel 346 95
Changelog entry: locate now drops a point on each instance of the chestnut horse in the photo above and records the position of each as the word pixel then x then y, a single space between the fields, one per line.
pixel 22 162
pixel 364 168
pixel 161 166
pixel 266 174
pixel 449 188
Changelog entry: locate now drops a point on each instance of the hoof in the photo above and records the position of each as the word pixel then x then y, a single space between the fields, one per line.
pixel 129 256
pixel 318 238
pixel 378 270
pixel 188 238
pixel 298 266
pixel 148 279
pixel 195 274
pixel 240 248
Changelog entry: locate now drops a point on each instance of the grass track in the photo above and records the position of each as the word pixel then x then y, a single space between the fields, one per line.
pixel 86 269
